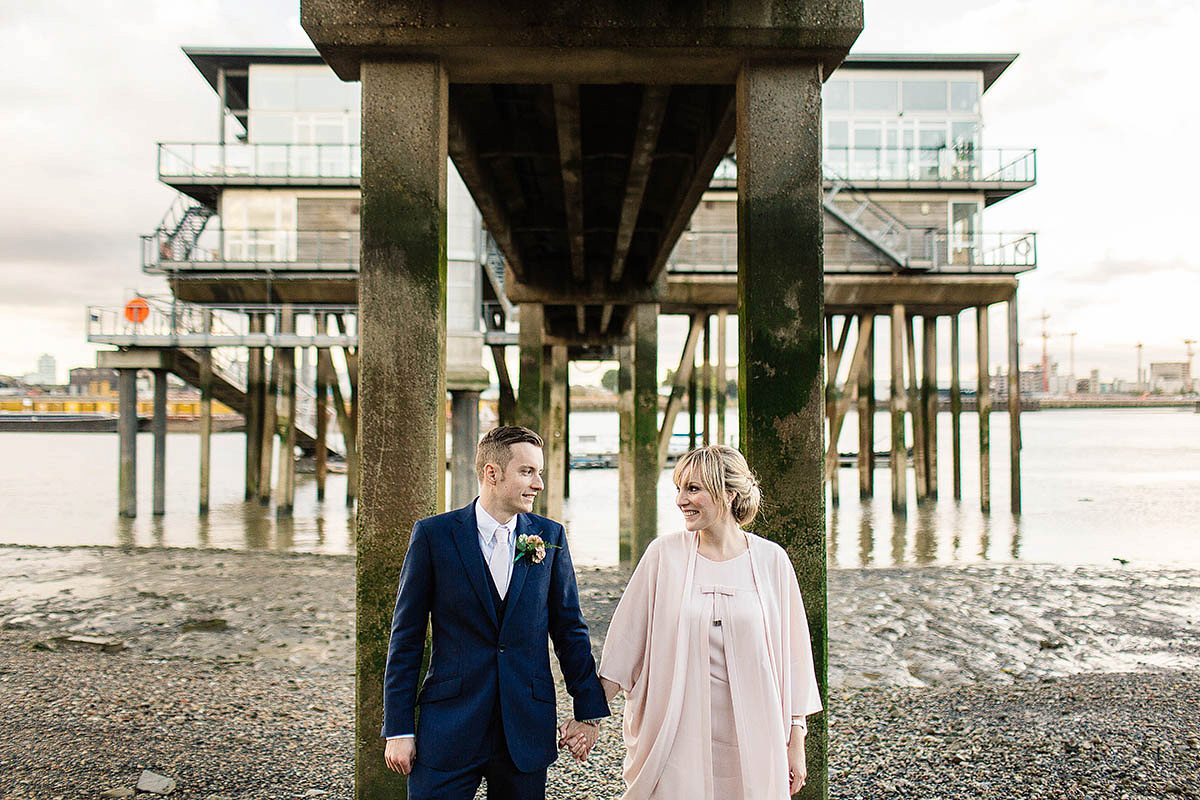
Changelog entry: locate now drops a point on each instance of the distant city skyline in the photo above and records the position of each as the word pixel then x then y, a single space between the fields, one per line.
pixel 1112 207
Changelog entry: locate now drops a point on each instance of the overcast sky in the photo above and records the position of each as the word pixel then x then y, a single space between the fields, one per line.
pixel 89 87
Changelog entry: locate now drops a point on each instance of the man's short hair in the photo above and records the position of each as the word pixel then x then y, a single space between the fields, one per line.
pixel 496 446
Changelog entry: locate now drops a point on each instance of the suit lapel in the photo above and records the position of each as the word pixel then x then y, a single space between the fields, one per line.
pixel 520 568
pixel 466 539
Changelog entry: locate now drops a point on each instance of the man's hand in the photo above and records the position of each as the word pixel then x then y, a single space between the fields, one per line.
pixel 578 737
pixel 797 763
pixel 399 754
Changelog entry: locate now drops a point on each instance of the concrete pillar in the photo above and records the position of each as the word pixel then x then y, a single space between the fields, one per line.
pixel 706 383
pixel 916 412
pixel 983 394
pixel 402 309
pixel 566 455
pixel 896 405
pixel 722 372
pixel 322 453
pixel 1014 405
pixel 780 309
pixel 286 496
pixel 929 394
pixel 555 433
pixel 866 412
pixel 464 431
pixel 531 380
pixel 255 406
pixel 625 454
pixel 646 466
pixel 955 407
pixel 159 426
pixel 693 396
pixel 127 424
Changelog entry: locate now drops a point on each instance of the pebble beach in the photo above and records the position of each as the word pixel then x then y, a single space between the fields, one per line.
pixel 230 674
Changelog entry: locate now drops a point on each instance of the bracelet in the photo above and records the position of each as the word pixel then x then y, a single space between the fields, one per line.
pixel 595 723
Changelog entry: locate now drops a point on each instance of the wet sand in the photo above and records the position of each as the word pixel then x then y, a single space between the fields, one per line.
pixel 233 673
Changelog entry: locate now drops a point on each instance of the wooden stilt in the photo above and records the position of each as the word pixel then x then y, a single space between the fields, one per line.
pixel 682 382
pixel 625 520
pixel 1014 405
pixel 866 409
pixel 955 408
pixel 916 411
pixel 722 373
pixel 983 392
pixel 286 496
pixel 842 404
pixel 506 405
pixel 899 450
pixel 929 392
pixel 270 421
pixel 706 383
pixel 555 432
pixel 322 454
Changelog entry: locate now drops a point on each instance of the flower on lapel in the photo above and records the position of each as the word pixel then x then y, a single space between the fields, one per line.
pixel 532 547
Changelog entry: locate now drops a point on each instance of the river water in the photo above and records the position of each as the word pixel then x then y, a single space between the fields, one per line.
pixel 1098 485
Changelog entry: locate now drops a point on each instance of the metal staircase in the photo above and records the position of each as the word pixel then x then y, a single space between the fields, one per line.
pixel 181 227
pixel 907 248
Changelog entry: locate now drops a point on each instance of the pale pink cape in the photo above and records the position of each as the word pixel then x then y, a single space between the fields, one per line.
pixel 661 661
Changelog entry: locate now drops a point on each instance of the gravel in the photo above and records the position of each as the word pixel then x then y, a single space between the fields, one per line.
pixel 260 704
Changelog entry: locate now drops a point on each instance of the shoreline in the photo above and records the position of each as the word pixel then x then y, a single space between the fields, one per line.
pixel 234 675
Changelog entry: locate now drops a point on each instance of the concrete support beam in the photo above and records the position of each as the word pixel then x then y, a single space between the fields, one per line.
pixel 127 424
pixel 554 433
pixel 780 311
pixel 722 372
pixel 1014 406
pixel 866 410
pixel 402 309
pixel 206 398
pixel 650 117
pixel 566 114
pixel 531 342
pixel 897 406
pixel 916 411
pixel 955 408
pixel 159 427
pixel 506 406
pixel 684 381
pixel 646 466
pixel 706 383
pixel 984 394
pixel 693 398
pixel 464 432
pixel 256 389
pixel 625 521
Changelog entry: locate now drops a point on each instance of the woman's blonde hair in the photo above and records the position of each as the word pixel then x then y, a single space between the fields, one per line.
pixel 720 469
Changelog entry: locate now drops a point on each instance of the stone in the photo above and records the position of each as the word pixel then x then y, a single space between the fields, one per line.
pixel 155 783
pixel 104 643
pixel 205 624
pixel 114 794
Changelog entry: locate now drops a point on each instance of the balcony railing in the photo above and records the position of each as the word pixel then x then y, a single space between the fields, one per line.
pixel 715 252
pixel 940 165
pixel 221 248
pixel 265 162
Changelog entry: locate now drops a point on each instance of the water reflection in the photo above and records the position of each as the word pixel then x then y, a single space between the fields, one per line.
pixel 866 538
pixel 925 539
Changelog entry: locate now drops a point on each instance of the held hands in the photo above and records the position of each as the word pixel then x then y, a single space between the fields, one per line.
pixel 577 737
pixel 399 754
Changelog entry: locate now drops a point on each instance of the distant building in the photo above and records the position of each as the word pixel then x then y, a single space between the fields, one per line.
pixel 92 381
pixel 1170 377
pixel 46 374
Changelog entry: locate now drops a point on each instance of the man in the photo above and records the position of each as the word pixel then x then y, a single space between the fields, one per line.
pixel 494 580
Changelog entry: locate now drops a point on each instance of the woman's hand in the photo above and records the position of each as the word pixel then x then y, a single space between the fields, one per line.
pixel 797 762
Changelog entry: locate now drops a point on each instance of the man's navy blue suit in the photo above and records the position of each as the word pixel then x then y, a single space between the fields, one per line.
pixel 489 659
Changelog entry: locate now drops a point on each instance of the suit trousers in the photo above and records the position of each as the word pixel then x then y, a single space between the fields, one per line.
pixel 492 763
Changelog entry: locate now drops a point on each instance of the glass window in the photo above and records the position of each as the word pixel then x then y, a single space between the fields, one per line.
pixel 837 134
pixel 875 96
pixel 836 96
pixel 924 95
pixel 964 96
pixel 322 91
pixel 272 128
pixel 272 91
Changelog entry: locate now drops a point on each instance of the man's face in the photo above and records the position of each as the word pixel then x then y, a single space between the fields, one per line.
pixel 518 485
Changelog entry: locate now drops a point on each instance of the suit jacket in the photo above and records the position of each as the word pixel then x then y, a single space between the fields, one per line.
pixel 479 659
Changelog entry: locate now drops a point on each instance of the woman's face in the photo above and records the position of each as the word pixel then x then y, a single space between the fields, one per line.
pixel 699 509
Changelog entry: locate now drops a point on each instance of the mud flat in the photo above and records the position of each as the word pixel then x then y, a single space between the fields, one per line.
pixel 231 673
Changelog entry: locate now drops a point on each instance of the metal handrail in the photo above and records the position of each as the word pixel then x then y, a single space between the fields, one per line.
pixel 964 163
pixel 715 252
pixel 218 244
pixel 202 160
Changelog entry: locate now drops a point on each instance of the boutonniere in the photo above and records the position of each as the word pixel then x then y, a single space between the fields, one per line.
pixel 533 548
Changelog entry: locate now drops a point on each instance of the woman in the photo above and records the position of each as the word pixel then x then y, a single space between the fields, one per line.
pixel 711 645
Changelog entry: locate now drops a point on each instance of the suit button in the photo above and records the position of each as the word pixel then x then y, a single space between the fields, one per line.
pixel 501 648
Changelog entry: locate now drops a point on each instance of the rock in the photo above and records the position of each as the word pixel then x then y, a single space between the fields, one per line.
pixel 315 792
pixel 155 783
pixel 113 794
pixel 205 624
pixel 105 643
pixel 218 797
